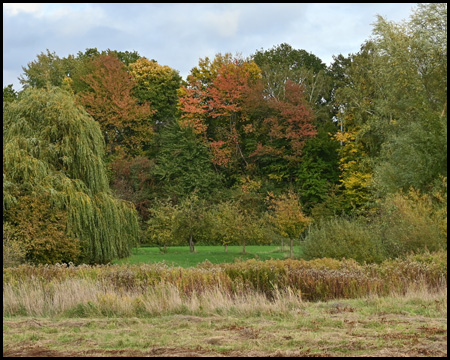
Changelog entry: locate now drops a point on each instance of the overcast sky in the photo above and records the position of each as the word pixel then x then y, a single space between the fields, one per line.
pixel 179 34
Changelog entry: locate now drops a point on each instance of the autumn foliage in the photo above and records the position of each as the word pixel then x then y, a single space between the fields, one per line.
pixel 232 108
pixel 125 124
pixel 290 126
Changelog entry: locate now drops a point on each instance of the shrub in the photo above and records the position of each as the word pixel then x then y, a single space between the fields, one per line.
pixel 412 223
pixel 13 250
pixel 340 238
pixel 41 231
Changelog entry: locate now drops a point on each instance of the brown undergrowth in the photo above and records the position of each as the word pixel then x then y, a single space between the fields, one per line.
pixel 157 288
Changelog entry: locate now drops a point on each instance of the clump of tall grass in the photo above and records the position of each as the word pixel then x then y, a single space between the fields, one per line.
pixel 81 298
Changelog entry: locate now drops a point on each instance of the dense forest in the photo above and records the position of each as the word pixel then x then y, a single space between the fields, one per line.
pixel 107 149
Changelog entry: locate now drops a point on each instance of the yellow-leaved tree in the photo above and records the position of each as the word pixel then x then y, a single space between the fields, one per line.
pixel 356 175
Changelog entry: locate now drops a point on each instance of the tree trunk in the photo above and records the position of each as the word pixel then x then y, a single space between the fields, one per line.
pixel 243 247
pixel 282 244
pixel 191 244
pixel 292 248
pixel 226 247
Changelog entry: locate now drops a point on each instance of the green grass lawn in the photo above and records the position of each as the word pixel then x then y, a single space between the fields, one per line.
pixel 180 255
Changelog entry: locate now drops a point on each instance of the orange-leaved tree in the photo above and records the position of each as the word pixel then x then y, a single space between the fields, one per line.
pixel 213 104
pixel 126 125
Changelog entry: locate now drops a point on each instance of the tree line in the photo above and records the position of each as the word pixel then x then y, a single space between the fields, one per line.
pixel 107 149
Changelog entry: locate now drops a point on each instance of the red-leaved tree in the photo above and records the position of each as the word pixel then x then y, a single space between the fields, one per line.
pixel 285 132
pixel 217 110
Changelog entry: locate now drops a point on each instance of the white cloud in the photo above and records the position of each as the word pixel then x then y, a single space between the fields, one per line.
pixel 225 23
pixel 76 22
pixel 16 8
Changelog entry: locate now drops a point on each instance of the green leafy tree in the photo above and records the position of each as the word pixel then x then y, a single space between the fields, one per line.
pixel 183 164
pixel 393 105
pixel 287 216
pixel 318 171
pixel 47 70
pixel 177 224
pixel 9 94
pixel 156 84
pixel 56 194
pixel 232 224
pixel 227 220
pixel 412 63
pixel 161 224
pixel 190 221
pixel 355 102
pixel 127 57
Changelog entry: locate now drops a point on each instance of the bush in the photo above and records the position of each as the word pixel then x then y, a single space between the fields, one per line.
pixel 413 223
pixel 41 231
pixel 340 238
pixel 232 224
pixel 13 250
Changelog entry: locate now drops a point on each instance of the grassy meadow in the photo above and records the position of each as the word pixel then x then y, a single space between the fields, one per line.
pixel 180 255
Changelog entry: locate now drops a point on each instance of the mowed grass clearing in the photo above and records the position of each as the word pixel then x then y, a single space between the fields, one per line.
pixel 180 255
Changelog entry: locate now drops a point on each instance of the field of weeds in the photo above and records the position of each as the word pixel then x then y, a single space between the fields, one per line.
pixel 249 308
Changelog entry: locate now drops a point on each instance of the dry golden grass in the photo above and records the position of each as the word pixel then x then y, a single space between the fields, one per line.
pixel 78 297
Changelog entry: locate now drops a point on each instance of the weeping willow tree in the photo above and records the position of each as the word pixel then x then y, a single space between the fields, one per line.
pixel 56 192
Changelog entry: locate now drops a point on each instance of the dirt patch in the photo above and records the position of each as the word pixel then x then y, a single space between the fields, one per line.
pixel 33 351
pixel 39 351
pixel 37 323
